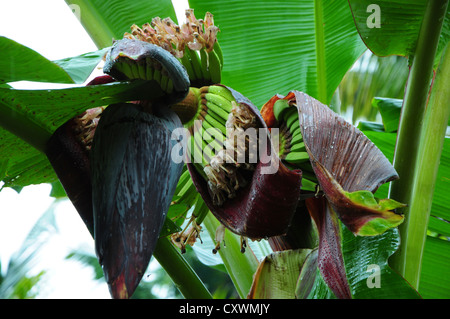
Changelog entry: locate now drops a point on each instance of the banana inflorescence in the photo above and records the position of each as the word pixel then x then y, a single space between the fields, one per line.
pixel 145 69
pixel 292 148
pixel 219 146
pixel 194 44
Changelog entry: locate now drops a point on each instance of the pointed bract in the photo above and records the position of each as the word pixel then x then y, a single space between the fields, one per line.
pixel 133 179
pixel 351 158
pixel 346 161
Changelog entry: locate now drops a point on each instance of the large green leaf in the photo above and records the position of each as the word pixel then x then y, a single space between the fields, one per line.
pixel 390 110
pixel 273 47
pixel 371 254
pixel 19 62
pixel 240 266
pixel 400 22
pixel 277 275
pixel 26 258
pixel 368 272
pixel 80 67
pixel 435 275
pixel 34 115
pixel 108 20
pixel 435 278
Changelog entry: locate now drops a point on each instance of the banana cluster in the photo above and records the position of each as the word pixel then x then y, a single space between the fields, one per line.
pixel 194 43
pixel 292 148
pixel 219 144
pixel 144 69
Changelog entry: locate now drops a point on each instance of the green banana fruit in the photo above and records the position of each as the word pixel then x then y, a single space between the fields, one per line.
pixel 215 114
pixel 296 138
pixel 149 69
pixel 186 61
pixel 196 64
pixel 212 107
pixel 295 124
pixel 197 151
pixel 164 80
pixel 297 157
pixel 218 51
pixel 214 67
pixel 204 60
pixel 169 88
pixel 290 116
pixel 211 140
pixel 220 91
pixel 157 75
pixel 208 152
pixel 297 147
pixel 142 68
pixel 292 148
pixel 130 59
pixel 215 123
pixel 279 107
pixel 218 100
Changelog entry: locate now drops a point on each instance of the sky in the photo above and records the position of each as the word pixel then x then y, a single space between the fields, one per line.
pixel 51 28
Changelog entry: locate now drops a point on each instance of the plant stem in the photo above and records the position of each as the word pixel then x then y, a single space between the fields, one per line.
pixel 432 141
pixel 240 266
pixel 410 144
pixel 181 273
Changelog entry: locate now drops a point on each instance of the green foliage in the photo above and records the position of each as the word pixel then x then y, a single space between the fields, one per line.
pixel 21 63
pixel 368 272
pixel 282 46
pixel 434 276
pixel 400 23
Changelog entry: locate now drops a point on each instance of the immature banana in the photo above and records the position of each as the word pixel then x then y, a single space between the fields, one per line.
pixel 146 61
pixel 219 93
pixel 215 66
pixel 292 149
pixel 196 65
pixel 219 157
pixel 194 44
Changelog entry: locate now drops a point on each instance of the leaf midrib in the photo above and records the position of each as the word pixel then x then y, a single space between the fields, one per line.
pixel 320 51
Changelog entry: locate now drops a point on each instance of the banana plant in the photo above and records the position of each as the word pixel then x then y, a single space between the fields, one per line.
pixel 140 91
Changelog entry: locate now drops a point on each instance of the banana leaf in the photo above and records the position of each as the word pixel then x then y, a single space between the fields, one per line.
pixel 399 25
pixel 278 46
pixel 19 63
pixel 434 276
pixel 369 274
